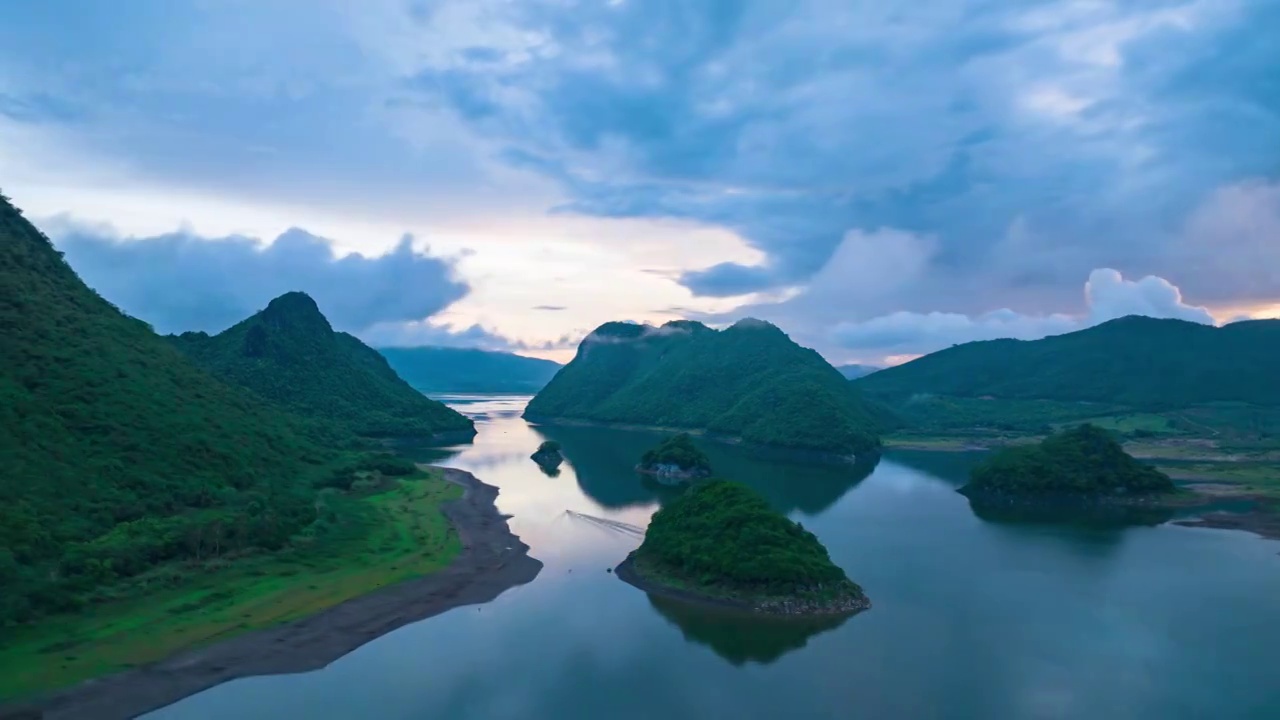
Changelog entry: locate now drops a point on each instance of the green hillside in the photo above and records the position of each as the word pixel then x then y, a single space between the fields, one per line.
pixel 467 370
pixel 748 381
pixel 1135 361
pixel 288 354
pixel 119 454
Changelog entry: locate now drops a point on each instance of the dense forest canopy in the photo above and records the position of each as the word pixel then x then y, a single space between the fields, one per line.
pixel 1134 361
pixel 723 535
pixel 288 354
pixel 119 452
pixel 467 370
pixel 1084 460
pixel 677 450
pixel 749 381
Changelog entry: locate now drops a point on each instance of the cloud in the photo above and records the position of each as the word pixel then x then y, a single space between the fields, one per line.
pixel 1232 244
pixel 426 332
pixel 1092 125
pixel 181 281
pixel 433 333
pixel 1107 294
pixel 956 155
pixel 549 308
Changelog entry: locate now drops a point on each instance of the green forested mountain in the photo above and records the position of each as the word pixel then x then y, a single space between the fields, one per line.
pixel 748 381
pixel 1082 461
pixel 118 452
pixel 443 369
pixel 1134 361
pixel 288 354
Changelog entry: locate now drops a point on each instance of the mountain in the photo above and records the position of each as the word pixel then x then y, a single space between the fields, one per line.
pixel 118 452
pixel 749 381
pixel 855 371
pixel 1134 361
pixel 465 370
pixel 289 355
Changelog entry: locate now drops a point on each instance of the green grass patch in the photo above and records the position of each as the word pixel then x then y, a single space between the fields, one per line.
pixel 360 543
pixel 1251 478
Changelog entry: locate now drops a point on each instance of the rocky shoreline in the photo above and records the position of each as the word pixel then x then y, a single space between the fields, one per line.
pixel 492 561
pixel 793 607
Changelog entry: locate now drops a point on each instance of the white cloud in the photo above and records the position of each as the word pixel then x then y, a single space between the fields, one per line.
pixel 1107 294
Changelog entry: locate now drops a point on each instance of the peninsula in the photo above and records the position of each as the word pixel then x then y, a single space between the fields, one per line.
pixel 720 543
pixel 675 459
pixel 749 383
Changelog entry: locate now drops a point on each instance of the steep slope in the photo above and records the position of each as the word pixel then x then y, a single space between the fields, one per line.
pixel 1135 361
pixel 442 369
pixel 118 452
pixel 289 354
pixel 748 381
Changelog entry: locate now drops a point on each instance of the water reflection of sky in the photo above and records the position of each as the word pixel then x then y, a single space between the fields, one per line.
pixel 971 618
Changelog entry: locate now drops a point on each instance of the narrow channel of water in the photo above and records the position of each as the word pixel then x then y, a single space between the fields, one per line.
pixel 973 618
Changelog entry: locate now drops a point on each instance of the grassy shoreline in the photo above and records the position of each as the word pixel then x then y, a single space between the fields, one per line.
pixel 385 537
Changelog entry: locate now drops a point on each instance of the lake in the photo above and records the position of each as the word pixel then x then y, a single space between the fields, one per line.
pixel 973 617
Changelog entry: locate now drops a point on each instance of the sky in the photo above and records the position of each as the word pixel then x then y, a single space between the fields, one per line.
pixel 880 180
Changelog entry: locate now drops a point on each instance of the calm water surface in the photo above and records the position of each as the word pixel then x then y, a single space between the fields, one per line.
pixel 972 617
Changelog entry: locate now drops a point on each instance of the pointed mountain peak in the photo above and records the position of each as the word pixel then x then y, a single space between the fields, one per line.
pixel 296 311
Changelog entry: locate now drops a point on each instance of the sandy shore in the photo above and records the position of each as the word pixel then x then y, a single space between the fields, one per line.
pixel 492 560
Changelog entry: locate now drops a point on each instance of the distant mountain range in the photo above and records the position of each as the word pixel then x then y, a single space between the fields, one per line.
pixel 465 370
pixel 855 371
pixel 749 381
pixel 1134 361
pixel 288 354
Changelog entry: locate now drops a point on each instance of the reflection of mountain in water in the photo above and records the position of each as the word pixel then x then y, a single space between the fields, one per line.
pixel 950 467
pixel 1082 514
pixel 741 638
pixel 426 454
pixel 604 461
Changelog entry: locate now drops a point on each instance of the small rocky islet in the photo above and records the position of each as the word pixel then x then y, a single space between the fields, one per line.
pixel 720 543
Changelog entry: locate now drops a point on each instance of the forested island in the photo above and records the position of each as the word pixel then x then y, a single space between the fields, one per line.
pixel 675 459
pixel 748 382
pixel 720 543
pixel 1084 462
pixel 289 355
